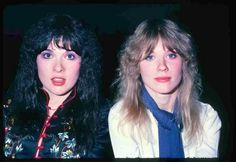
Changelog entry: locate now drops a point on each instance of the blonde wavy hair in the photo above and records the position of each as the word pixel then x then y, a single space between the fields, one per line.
pixel 143 41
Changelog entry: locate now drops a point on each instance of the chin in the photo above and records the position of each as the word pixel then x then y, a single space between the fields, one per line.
pixel 164 91
pixel 169 91
pixel 60 93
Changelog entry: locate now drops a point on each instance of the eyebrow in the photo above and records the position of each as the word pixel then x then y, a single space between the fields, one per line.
pixel 47 50
pixel 70 50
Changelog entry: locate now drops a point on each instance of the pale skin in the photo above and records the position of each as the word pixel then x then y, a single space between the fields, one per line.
pixel 58 71
pixel 161 72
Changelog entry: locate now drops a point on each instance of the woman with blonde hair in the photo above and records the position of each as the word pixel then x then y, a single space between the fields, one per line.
pixel 158 112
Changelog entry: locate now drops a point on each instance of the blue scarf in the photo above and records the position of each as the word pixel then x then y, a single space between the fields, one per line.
pixel 169 128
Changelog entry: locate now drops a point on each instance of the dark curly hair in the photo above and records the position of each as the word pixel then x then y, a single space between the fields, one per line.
pixel 75 35
pixel 25 89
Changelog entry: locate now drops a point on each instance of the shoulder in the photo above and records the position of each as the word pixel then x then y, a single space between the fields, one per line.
pixel 115 110
pixel 115 115
pixel 209 116
pixel 207 110
pixel 7 103
pixel 7 107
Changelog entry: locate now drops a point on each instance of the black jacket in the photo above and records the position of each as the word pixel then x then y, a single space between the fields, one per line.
pixel 30 134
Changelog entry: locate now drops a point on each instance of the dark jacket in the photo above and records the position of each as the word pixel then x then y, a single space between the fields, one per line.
pixel 61 134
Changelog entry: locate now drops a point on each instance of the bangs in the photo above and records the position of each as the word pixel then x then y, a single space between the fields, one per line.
pixel 148 45
pixel 169 44
pixel 67 43
pixel 172 42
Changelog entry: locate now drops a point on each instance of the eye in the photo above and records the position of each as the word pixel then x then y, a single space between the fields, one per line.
pixel 71 56
pixel 46 55
pixel 172 55
pixel 150 57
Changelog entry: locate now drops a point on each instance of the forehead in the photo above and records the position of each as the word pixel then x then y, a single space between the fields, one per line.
pixel 160 46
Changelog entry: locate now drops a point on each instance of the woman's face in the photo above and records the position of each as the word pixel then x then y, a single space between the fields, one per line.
pixel 58 69
pixel 161 70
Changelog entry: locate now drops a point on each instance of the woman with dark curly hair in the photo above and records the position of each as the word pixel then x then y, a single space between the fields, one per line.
pixel 158 112
pixel 53 108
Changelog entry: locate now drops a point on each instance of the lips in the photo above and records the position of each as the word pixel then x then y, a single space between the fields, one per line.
pixel 162 79
pixel 58 81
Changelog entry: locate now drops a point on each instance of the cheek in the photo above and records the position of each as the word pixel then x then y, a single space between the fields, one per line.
pixel 177 70
pixel 43 75
pixel 43 69
pixel 142 73
pixel 144 69
pixel 40 66
pixel 75 70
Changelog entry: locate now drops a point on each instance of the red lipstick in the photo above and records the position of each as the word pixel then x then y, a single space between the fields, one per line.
pixel 57 81
pixel 162 79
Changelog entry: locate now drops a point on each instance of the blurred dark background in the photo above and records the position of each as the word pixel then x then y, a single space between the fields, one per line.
pixel 208 23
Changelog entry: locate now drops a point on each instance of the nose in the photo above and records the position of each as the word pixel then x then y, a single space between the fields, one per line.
pixel 58 67
pixel 161 65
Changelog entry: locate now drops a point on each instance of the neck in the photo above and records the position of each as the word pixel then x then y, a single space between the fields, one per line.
pixel 164 101
pixel 55 101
